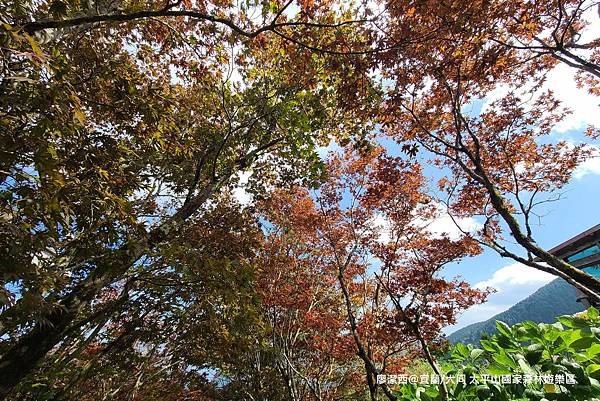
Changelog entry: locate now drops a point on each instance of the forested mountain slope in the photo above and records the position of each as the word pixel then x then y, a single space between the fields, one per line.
pixel 554 299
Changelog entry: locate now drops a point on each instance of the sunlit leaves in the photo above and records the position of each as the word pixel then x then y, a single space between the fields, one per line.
pixel 534 353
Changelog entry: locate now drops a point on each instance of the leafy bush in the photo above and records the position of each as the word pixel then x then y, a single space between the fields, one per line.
pixel 540 355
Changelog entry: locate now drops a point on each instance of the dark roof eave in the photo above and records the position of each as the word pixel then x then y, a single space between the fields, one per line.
pixel 573 242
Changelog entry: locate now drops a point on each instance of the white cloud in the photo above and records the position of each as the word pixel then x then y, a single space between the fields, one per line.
pixel 444 225
pixel 515 274
pixel 440 226
pixel 381 228
pixel 513 283
pixel 590 166
pixel 584 106
pixel 239 192
pixel 324 151
pixel 561 81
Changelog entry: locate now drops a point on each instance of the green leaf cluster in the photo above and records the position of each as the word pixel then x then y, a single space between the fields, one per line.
pixel 570 346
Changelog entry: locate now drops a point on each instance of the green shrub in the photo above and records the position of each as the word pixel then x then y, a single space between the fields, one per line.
pixel 566 353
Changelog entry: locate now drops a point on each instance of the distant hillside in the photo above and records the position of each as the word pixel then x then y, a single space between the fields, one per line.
pixel 554 299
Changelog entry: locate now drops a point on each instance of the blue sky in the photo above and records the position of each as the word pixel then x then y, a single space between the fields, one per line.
pixel 578 210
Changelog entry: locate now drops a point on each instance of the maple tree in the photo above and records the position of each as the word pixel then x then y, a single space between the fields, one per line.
pixel 275 314
pixel 504 42
pixel 499 161
pixel 373 269
pixel 305 315
pixel 499 169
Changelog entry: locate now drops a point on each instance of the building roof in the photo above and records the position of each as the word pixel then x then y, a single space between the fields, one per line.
pixel 589 236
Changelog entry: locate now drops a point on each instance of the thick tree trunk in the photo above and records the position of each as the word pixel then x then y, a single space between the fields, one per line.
pixel 23 357
pixel 587 283
pixel 29 350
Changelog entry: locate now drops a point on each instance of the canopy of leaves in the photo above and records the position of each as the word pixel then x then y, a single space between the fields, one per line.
pixel 129 270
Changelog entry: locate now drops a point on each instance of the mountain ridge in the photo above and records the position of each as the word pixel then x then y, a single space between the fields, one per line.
pixel 543 306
